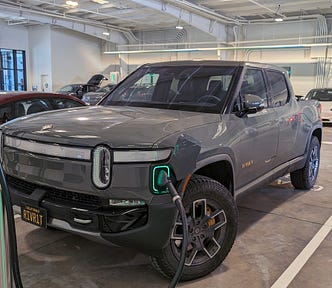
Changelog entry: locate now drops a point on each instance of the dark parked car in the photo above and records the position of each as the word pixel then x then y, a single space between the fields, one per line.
pixel 93 98
pixel 324 96
pixel 17 104
pixel 79 90
pixel 216 128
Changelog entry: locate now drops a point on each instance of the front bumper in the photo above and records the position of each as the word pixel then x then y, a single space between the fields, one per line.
pixel 146 228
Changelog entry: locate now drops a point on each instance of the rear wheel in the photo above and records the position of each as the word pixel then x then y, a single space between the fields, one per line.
pixel 305 178
pixel 212 220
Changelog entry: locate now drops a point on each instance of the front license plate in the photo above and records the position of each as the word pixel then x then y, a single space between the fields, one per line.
pixel 34 215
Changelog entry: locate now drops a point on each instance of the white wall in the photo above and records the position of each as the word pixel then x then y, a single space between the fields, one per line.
pixel 13 37
pixel 40 51
pixel 75 57
pixel 54 56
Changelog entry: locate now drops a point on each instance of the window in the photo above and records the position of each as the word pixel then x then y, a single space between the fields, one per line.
pixel 62 103
pixel 320 95
pixel 12 70
pixel 278 88
pixel 6 113
pixel 253 83
pixel 190 88
pixel 31 106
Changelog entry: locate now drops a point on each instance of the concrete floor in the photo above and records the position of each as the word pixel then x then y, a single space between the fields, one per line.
pixel 276 224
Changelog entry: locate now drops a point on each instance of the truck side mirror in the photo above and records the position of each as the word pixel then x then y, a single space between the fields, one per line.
pixel 252 104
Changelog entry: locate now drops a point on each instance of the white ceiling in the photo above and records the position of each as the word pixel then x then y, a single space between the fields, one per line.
pixel 128 16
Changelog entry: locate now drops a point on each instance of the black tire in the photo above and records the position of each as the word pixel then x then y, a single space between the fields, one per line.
pixel 208 197
pixel 305 178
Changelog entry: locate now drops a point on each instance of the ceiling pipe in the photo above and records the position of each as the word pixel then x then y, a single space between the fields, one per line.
pixel 258 47
pixel 288 19
pixel 78 9
pixel 126 32
pixel 226 43
pixel 206 12
pixel 274 12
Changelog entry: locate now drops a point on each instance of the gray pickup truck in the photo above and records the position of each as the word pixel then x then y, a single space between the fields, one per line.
pixel 216 128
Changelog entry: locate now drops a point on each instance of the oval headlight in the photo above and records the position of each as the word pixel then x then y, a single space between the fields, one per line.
pixel 101 167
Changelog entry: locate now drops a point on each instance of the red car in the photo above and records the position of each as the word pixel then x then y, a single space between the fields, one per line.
pixel 17 104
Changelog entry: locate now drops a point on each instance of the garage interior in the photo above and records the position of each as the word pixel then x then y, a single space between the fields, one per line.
pixel 68 41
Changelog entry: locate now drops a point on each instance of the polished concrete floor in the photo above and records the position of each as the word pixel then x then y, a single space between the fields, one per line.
pixel 277 224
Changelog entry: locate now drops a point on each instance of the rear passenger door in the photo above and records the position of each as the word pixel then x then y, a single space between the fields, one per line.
pixel 288 118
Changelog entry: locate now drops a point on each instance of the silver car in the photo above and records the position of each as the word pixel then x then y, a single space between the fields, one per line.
pixel 324 96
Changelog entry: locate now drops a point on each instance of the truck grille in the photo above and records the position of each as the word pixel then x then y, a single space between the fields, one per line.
pixel 55 194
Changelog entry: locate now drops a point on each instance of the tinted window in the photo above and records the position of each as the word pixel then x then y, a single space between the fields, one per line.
pixel 6 113
pixel 278 86
pixel 253 83
pixel 62 103
pixel 191 88
pixel 31 106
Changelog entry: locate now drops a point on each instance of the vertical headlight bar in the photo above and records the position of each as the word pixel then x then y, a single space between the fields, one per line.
pixel 101 167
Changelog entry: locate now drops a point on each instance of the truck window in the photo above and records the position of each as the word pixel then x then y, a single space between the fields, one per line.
pixel 253 83
pixel 278 88
pixel 189 88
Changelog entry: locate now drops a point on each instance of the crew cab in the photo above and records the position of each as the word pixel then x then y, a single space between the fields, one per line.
pixel 217 128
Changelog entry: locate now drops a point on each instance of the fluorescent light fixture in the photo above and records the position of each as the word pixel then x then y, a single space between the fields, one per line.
pixel 101 2
pixel 179 27
pixel 278 19
pixel 106 33
pixel 72 3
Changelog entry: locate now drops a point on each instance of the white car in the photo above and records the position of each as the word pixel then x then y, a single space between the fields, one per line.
pixel 324 96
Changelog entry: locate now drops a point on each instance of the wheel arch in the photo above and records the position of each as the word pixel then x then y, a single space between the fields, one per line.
pixel 220 170
pixel 318 133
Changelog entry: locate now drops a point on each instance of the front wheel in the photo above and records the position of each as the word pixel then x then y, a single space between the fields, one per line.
pixel 212 222
pixel 305 178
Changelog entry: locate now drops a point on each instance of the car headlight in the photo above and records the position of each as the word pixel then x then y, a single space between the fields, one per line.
pixel 141 155
pixel 101 167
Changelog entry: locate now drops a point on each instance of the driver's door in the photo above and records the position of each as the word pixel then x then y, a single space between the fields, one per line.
pixel 256 139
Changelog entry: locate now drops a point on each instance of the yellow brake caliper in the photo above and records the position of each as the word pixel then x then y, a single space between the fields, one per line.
pixel 212 221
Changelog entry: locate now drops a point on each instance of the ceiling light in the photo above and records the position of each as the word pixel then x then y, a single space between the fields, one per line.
pixel 106 33
pixel 278 17
pixel 72 3
pixel 101 2
pixel 179 27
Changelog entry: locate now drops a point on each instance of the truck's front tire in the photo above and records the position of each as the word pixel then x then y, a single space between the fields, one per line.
pixel 209 241
pixel 305 178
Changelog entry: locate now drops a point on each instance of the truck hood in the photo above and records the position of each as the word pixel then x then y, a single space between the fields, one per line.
pixel 119 127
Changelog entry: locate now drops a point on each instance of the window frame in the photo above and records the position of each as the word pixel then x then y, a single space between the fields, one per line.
pixel 15 70
pixel 233 106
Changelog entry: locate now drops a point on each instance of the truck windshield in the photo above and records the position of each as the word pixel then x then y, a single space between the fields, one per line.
pixel 189 88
